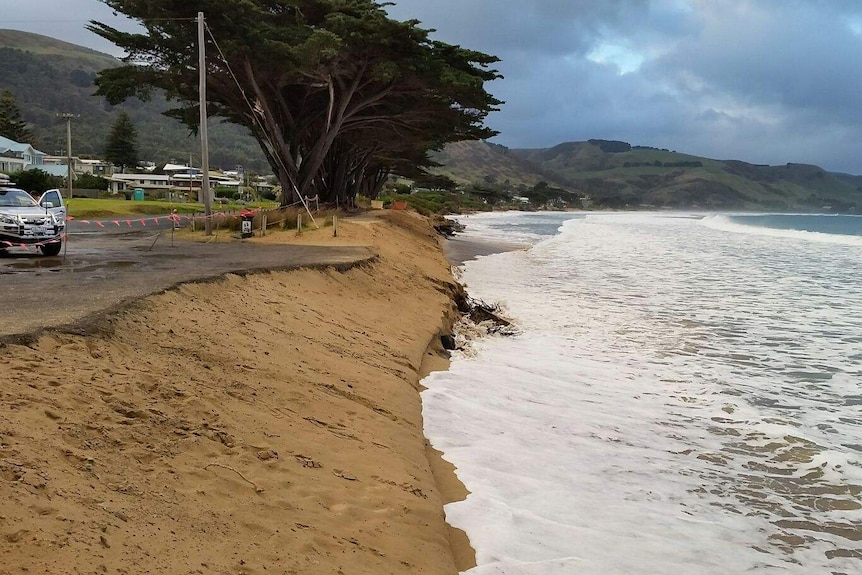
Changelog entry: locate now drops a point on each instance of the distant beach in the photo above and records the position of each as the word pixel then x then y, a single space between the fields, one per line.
pixel 459 249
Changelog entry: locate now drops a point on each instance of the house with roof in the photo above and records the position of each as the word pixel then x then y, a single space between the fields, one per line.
pixel 96 167
pixel 81 166
pixel 59 170
pixel 18 156
pixel 154 184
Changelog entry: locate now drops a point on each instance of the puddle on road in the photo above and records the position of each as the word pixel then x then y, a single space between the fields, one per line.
pixel 117 265
pixel 29 264
pixel 162 256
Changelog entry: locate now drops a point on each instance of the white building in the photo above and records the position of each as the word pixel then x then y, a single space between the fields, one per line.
pixel 17 156
pixel 80 166
pixel 119 183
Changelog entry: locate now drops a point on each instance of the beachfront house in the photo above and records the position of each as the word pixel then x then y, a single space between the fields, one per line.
pixel 152 184
pixel 96 167
pixel 81 166
pixel 19 156
pixel 190 178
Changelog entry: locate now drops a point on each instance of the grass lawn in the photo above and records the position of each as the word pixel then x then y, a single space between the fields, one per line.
pixel 106 208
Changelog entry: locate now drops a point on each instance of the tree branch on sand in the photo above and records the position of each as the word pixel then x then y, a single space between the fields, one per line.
pixel 480 312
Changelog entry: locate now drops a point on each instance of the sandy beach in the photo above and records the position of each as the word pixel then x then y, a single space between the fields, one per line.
pixel 459 250
pixel 261 424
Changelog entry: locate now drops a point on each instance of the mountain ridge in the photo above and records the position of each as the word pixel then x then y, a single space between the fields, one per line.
pixel 615 174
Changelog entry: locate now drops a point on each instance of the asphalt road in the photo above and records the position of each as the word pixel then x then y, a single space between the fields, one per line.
pixel 106 268
pixel 123 225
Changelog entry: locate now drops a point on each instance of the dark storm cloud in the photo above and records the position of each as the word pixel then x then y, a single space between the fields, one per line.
pixel 763 80
pixel 543 28
pixel 775 81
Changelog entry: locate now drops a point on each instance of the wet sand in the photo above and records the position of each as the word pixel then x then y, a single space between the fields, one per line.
pixel 459 250
pixel 269 423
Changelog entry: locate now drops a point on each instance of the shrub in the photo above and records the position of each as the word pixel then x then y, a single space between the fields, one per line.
pixel 35 180
pixel 91 182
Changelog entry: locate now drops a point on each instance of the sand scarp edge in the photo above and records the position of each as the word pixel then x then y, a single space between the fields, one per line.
pixel 101 323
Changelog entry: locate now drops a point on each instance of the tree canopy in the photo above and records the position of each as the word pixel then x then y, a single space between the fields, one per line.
pixel 12 124
pixel 121 148
pixel 336 93
pixel 36 180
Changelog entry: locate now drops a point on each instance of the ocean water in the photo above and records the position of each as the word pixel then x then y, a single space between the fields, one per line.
pixel 684 396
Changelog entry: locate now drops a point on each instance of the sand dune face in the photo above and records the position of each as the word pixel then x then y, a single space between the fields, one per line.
pixel 266 424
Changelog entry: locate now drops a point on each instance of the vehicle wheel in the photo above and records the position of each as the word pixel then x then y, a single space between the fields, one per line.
pixel 51 249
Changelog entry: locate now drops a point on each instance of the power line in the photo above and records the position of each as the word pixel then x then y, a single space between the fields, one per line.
pixel 89 20
pixel 254 114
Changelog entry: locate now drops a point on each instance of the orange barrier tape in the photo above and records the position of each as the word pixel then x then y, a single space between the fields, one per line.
pixel 36 245
pixel 143 221
pixel 177 218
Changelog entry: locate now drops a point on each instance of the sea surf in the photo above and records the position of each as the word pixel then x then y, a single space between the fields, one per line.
pixel 684 395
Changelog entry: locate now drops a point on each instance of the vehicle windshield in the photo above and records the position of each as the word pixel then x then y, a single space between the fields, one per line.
pixel 16 199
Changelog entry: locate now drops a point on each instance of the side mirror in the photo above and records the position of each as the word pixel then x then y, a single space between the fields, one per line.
pixel 48 204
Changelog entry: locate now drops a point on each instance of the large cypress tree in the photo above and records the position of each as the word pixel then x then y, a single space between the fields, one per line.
pixel 335 91
pixel 12 124
pixel 122 147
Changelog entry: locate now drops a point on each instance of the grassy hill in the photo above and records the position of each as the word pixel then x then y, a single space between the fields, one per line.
pixel 616 174
pixel 485 163
pixel 49 76
pixel 70 55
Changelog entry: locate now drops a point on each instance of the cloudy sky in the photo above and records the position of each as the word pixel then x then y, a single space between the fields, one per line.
pixel 766 81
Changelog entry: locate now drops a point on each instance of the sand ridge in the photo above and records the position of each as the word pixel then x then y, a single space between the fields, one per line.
pixel 260 424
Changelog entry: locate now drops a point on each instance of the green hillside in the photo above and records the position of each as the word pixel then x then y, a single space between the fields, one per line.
pixel 490 164
pixel 616 174
pixel 48 77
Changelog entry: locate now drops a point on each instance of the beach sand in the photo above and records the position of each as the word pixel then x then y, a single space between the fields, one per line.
pixel 261 424
pixel 459 250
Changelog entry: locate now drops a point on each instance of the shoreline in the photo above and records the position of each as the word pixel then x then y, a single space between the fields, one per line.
pixel 459 250
pixel 267 421
pixel 445 474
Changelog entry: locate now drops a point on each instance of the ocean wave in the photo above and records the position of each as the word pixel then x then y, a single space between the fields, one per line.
pixel 514 227
pixel 725 223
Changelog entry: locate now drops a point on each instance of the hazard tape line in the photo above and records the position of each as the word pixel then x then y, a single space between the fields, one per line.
pixel 177 218
pixel 130 222
pixel 6 244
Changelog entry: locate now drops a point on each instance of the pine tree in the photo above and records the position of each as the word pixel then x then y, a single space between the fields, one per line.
pixel 12 124
pixel 122 147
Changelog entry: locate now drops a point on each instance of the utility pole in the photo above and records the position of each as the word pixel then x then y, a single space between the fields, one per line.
pixel 68 118
pixel 205 160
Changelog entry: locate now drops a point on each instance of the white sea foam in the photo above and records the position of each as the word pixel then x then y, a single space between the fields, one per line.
pixel 724 223
pixel 680 399
pixel 512 227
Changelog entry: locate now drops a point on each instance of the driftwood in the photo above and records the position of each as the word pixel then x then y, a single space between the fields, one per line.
pixel 446 227
pixel 479 311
